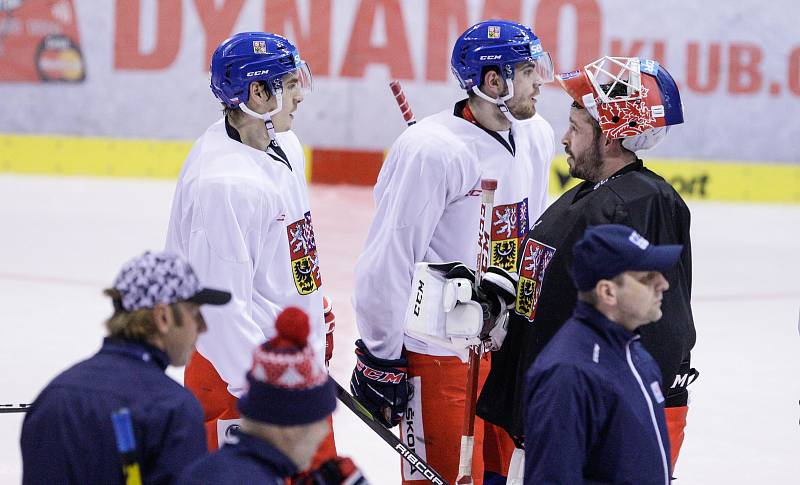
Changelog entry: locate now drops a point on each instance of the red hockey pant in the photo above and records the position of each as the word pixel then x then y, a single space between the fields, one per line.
pixel 202 379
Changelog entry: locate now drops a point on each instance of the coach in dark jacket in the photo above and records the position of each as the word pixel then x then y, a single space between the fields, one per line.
pixel 68 437
pixel 594 406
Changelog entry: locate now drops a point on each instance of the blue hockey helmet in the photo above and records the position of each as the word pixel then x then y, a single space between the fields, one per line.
pixel 254 56
pixel 501 44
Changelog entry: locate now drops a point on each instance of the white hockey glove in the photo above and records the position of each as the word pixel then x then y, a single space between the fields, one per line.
pixel 447 310
pixel 496 295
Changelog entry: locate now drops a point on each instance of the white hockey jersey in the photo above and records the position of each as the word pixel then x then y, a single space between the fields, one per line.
pixel 241 217
pixel 428 203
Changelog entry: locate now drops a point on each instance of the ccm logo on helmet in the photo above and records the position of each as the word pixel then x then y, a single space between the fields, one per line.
pixel 257 73
pixel 490 58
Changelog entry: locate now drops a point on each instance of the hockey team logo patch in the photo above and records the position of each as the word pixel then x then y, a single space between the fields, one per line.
pixel 535 259
pixel 259 47
pixel 509 227
pixel 303 252
pixel 494 32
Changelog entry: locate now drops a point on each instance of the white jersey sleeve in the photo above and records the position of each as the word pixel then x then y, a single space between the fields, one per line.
pixel 416 184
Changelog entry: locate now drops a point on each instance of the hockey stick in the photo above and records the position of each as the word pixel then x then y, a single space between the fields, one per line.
pixel 400 97
pixel 488 186
pixel 408 455
pixel 126 446
pixel 14 408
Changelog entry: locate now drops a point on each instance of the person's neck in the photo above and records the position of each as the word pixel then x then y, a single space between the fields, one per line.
pixel 613 315
pixel 251 130
pixel 488 114
pixel 612 165
pixel 278 437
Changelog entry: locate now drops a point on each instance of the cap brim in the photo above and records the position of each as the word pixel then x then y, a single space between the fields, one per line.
pixel 659 258
pixel 207 296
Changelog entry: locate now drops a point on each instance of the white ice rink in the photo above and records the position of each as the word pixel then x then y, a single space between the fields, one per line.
pixel 62 241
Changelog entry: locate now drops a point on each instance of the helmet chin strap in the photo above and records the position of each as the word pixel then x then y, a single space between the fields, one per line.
pixel 267 117
pixel 500 102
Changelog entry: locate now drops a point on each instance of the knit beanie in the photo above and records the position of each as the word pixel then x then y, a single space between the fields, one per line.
pixel 287 384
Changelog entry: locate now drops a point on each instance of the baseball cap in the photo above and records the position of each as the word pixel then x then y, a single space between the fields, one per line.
pixel 162 277
pixel 607 250
pixel 288 385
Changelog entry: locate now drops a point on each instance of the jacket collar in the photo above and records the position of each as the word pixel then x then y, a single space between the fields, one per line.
pixel 265 453
pixel 135 349
pixel 612 331
pixel 587 187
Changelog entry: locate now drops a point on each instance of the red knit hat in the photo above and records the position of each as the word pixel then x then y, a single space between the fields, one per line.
pixel 288 385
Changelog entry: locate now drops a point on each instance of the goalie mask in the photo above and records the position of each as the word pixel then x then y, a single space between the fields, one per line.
pixel 631 98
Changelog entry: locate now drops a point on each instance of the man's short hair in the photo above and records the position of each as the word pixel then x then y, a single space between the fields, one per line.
pixel 136 325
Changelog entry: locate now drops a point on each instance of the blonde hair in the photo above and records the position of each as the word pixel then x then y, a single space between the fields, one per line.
pixel 135 325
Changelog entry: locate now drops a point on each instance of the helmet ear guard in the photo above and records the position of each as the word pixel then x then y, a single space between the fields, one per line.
pixel 631 98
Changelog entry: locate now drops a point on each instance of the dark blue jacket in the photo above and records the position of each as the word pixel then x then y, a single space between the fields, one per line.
pixel 594 410
pixel 245 461
pixel 68 437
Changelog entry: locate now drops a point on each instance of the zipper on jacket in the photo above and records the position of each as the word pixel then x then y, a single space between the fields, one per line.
pixel 649 407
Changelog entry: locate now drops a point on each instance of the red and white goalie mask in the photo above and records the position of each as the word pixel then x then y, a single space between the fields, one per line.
pixel 631 98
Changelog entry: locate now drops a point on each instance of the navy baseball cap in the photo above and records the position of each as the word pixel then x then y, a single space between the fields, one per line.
pixel 162 277
pixel 607 250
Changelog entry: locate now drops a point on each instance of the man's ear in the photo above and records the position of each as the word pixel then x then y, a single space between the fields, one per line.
pixel 609 147
pixel 161 316
pixel 255 91
pixel 606 292
pixel 493 84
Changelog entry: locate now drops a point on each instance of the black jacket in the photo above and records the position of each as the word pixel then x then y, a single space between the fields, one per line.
pixel 636 197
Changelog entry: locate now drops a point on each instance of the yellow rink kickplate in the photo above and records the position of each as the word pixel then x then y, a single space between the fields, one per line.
pixel 109 157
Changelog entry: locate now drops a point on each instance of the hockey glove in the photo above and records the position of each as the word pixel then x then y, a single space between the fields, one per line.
pixel 496 295
pixel 330 324
pixel 336 471
pixel 381 385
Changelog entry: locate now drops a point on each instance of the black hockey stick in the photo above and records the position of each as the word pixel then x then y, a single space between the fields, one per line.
pixel 408 455
pixel 14 408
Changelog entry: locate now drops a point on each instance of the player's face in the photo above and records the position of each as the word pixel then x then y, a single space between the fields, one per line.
pixel 527 83
pixel 183 330
pixel 639 298
pixel 292 97
pixel 582 146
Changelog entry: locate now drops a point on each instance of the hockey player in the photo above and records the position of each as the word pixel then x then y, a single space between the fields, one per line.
pixel 621 106
pixel 428 202
pixel 284 418
pixel 241 216
pixel 68 436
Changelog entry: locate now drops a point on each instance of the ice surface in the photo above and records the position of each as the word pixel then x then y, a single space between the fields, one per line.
pixel 62 241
